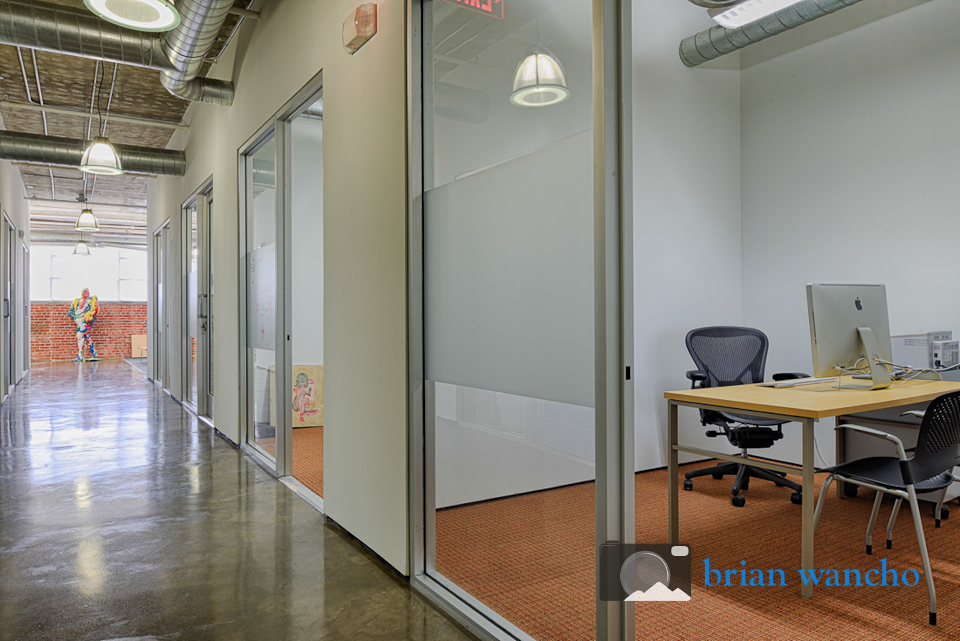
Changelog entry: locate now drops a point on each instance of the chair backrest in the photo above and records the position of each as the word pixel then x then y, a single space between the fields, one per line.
pixel 938 445
pixel 728 355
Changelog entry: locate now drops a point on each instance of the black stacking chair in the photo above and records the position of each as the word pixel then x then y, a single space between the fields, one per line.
pixel 928 470
pixel 736 356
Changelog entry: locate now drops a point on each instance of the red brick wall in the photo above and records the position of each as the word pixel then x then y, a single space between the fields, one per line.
pixel 53 335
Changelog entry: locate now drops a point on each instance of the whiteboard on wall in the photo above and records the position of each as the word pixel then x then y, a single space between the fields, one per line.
pixel 262 297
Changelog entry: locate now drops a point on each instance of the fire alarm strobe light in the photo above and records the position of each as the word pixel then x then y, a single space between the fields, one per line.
pixel 360 26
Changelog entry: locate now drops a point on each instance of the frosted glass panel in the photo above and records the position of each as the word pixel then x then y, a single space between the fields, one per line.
pixel 509 276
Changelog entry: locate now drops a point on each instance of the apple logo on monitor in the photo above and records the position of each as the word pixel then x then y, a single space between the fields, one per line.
pixel 857 303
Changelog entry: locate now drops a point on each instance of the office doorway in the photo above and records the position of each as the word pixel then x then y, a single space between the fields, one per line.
pixel 304 270
pixel 197 392
pixel 9 280
pixel 26 305
pixel 282 344
pixel 161 321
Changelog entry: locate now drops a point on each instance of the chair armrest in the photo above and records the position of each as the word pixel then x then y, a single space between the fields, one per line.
pixel 878 434
pixel 696 376
pixel 917 413
pixel 788 376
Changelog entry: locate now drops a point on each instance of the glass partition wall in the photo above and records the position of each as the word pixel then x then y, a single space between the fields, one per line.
pixel 512 239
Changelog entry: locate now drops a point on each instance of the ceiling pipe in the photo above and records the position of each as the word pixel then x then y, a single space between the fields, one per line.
pixel 718 41
pixel 77 32
pixel 65 238
pixel 178 54
pixel 187 45
pixel 53 150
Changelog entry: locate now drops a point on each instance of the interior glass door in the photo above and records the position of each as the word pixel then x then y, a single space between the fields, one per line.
pixel 303 170
pixel 260 263
pixel 206 324
pixel 191 305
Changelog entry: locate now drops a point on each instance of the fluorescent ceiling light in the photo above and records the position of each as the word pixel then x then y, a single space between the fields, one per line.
pixel 748 11
pixel 87 222
pixel 539 82
pixel 142 15
pixel 101 158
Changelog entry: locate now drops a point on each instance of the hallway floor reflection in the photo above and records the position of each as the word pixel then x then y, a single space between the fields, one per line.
pixel 121 517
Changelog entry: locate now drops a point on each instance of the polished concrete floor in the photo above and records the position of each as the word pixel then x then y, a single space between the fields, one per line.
pixel 122 518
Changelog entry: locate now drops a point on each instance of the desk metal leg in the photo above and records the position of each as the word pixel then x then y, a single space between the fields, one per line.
pixel 841 456
pixel 809 500
pixel 673 497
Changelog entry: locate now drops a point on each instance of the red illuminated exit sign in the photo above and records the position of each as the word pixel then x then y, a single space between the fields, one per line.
pixel 487 7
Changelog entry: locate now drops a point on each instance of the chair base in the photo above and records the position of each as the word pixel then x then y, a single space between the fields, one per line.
pixel 744 472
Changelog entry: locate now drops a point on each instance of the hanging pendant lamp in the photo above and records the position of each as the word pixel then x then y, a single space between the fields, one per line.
pixel 81 249
pixel 539 82
pixel 100 157
pixel 142 15
pixel 87 222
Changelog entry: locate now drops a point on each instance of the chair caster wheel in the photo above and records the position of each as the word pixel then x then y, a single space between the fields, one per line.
pixel 738 501
pixel 744 487
pixel 717 476
pixel 796 498
pixel 944 512
pixel 688 485
pixel 850 490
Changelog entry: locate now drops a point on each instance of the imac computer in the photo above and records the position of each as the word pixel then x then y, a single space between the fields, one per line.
pixel 849 329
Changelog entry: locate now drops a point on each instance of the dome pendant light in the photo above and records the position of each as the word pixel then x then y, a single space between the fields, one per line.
pixel 87 222
pixel 81 249
pixel 539 82
pixel 142 15
pixel 100 157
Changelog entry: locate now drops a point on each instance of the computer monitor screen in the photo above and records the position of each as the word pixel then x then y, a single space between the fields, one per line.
pixel 836 311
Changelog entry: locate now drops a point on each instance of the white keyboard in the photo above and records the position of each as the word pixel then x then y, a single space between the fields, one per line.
pixel 794 382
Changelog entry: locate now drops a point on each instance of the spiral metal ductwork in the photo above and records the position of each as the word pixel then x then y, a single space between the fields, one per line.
pixel 71 237
pixel 52 150
pixel 719 41
pixel 75 32
pixel 187 45
pixel 178 55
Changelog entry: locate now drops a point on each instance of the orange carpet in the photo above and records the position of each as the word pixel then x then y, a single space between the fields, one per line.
pixel 530 559
pixel 307 456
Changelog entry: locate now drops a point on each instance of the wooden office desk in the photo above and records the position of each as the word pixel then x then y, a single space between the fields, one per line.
pixel 805 405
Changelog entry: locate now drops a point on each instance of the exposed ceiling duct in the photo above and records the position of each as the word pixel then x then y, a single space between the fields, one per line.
pixel 52 150
pixel 188 44
pixel 178 54
pixel 712 43
pixel 70 238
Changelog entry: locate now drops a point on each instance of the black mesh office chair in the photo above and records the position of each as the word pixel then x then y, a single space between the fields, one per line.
pixel 928 470
pixel 736 356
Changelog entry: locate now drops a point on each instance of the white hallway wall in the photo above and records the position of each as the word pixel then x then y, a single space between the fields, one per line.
pixel 849 175
pixel 365 211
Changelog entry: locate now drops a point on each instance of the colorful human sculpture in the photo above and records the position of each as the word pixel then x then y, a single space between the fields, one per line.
pixel 84 312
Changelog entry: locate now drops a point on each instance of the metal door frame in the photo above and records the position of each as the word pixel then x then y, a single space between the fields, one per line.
pixel 247 423
pixel 201 199
pixel 160 347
